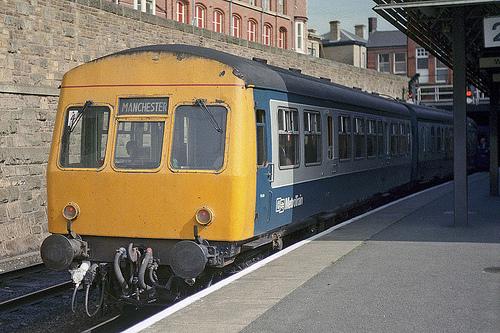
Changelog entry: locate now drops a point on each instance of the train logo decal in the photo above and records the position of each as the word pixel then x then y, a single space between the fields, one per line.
pixel 283 204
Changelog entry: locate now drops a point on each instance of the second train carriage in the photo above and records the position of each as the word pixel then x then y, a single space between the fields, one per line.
pixel 183 156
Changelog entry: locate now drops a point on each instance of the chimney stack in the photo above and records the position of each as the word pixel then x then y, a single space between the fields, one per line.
pixel 334 30
pixel 359 30
pixel 372 25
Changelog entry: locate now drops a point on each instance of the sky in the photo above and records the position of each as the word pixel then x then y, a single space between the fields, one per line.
pixel 348 12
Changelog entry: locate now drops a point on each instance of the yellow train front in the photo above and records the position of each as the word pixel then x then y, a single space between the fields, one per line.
pixel 153 154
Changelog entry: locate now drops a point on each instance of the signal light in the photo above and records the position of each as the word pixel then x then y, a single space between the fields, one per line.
pixel 468 93
pixel 71 211
pixel 204 216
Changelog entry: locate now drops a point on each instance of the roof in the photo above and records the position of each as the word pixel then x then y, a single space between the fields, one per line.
pixel 265 76
pixel 391 38
pixel 428 24
pixel 346 38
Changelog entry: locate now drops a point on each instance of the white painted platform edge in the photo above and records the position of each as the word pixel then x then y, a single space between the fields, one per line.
pixel 199 295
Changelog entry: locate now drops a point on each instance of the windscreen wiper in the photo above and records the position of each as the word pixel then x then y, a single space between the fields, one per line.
pixel 213 121
pixel 80 115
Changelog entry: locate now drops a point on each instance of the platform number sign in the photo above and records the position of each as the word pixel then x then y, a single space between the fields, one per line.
pixel 492 31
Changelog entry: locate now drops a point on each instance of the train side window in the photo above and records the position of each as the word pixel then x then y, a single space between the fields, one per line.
pixel 260 119
pixel 433 139
pixel 451 143
pixel 421 140
pixel 359 138
pixel 439 139
pixel 380 137
pixel 402 140
pixel 408 138
pixel 371 142
pixel 345 147
pixel 199 137
pixel 312 137
pixel 394 137
pixel 288 132
pixel 443 139
pixel 329 121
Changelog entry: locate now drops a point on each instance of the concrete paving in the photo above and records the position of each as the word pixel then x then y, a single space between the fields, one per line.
pixel 402 268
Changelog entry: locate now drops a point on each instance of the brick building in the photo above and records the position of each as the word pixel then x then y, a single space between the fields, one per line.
pixel 387 50
pixel 278 23
pixel 393 52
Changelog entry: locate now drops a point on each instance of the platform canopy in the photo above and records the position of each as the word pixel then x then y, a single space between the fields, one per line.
pixel 429 23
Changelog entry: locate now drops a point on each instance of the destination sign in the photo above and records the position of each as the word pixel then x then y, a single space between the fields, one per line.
pixel 143 106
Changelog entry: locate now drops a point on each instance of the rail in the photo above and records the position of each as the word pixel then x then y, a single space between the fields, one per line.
pixel 34 296
pixel 443 94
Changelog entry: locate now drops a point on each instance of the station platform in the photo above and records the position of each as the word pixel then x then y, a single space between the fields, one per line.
pixel 402 267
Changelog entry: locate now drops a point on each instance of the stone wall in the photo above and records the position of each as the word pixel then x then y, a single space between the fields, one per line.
pixel 42 39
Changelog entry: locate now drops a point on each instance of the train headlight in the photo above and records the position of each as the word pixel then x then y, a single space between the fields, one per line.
pixel 204 216
pixel 71 211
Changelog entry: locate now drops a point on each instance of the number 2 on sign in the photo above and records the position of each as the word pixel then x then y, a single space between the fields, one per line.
pixel 497 36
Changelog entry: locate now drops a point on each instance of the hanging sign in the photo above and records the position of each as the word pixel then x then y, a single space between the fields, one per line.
pixel 491 31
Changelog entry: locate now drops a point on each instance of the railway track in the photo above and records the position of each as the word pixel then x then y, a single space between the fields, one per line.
pixel 34 296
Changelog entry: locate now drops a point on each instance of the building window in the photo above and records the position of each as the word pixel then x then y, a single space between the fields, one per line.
pixel 441 72
pixel 288 131
pixel 281 7
pixel 311 51
pixel 218 21
pixel 181 12
pixel 236 26
pixel 199 16
pixel 251 2
pixel 282 38
pixel 299 37
pixel 146 6
pixel 359 138
pixel 252 31
pixel 266 5
pixel 400 63
pixel 267 35
pixel 423 65
pixel 312 137
pixel 345 147
pixel 384 63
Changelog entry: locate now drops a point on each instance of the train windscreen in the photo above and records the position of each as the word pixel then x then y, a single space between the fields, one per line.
pixel 85 136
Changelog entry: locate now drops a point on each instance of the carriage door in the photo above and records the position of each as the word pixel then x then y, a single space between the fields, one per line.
pixel 265 172
pixel 332 160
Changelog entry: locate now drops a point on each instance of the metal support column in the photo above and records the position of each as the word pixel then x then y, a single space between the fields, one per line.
pixel 494 109
pixel 459 119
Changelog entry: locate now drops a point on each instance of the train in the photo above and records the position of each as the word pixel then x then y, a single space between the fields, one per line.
pixel 170 160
